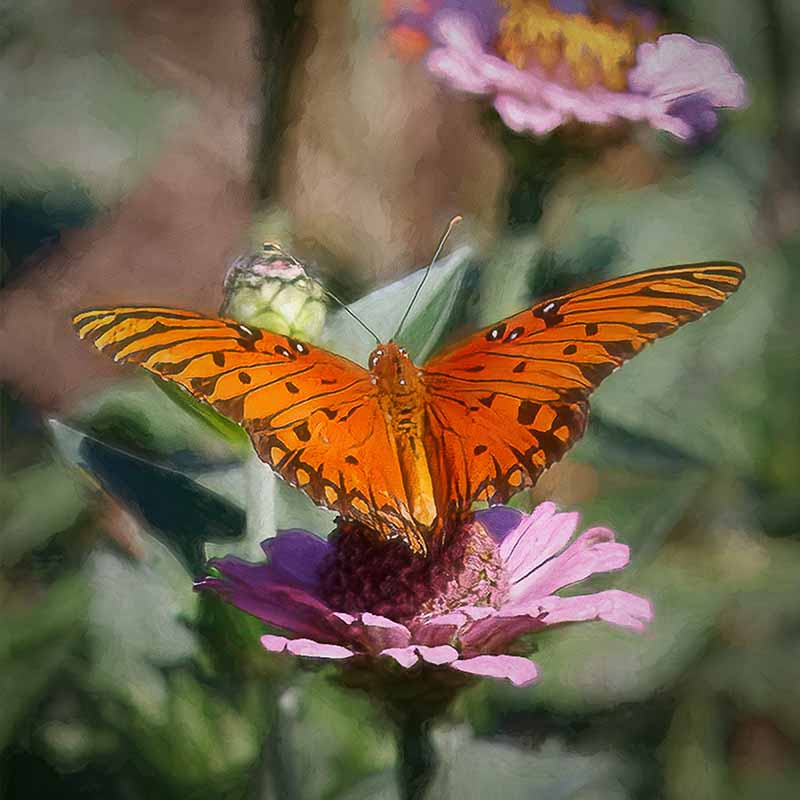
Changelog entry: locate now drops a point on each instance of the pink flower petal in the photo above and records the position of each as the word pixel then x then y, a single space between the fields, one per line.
pixel 312 649
pixel 459 61
pixel 520 671
pixel 593 551
pixel 495 633
pixel 408 656
pixel 668 72
pixel 614 606
pixel 477 612
pixel 304 647
pixel 441 629
pixel 443 654
pixel 676 66
pixel 405 656
pixel 523 115
pixel 539 537
pixel 376 633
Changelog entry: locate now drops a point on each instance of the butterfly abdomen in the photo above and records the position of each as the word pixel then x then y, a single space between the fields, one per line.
pixel 401 397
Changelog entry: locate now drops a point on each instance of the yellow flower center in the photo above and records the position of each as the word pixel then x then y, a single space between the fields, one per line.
pixel 593 50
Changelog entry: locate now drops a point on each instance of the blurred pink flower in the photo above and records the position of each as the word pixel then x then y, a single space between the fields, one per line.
pixel 546 63
pixel 352 598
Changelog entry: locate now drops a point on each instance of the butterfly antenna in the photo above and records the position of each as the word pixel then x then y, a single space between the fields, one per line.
pixel 453 222
pixel 359 321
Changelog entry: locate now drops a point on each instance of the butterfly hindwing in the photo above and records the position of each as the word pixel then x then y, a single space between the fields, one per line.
pixel 512 399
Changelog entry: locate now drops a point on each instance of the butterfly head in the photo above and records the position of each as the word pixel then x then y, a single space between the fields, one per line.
pixel 392 369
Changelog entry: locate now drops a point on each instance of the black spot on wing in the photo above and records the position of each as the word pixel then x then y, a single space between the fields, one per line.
pixel 496 333
pixel 548 313
pixel 526 413
pixel 298 347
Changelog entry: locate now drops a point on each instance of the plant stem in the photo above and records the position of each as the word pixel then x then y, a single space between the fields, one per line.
pixel 277 779
pixel 417 761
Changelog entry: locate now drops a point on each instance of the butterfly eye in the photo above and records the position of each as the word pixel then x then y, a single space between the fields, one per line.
pixel 376 357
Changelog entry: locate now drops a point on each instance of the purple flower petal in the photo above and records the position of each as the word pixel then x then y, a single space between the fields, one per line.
pixel 614 606
pixel 295 557
pixel 248 587
pixel 593 551
pixel 539 537
pixel 499 521
pixel 520 671
pixel 305 647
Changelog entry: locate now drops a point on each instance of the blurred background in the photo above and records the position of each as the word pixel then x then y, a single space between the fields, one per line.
pixel 145 146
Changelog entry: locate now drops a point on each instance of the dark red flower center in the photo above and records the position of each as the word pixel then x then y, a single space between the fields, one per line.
pixel 386 578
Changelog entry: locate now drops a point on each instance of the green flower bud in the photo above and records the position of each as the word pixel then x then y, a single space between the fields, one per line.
pixel 272 290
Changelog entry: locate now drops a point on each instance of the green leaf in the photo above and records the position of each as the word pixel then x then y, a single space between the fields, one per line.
pixel 34 644
pixel 28 522
pixel 383 309
pixel 178 509
pixel 135 623
pixel 507 275
pixel 134 416
pixel 230 431
pixel 200 739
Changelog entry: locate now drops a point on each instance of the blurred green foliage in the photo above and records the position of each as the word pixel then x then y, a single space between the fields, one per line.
pixel 117 681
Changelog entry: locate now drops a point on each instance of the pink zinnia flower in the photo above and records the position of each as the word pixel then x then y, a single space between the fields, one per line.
pixel 377 606
pixel 547 63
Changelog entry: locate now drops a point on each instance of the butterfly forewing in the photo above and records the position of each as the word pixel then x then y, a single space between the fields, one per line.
pixel 312 415
pixel 512 399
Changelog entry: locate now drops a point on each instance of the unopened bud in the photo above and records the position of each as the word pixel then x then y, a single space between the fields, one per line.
pixel 272 290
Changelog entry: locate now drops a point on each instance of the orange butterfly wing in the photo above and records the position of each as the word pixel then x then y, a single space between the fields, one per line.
pixel 511 400
pixel 313 416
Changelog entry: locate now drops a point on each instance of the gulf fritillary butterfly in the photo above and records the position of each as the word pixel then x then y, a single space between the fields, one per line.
pixel 406 450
